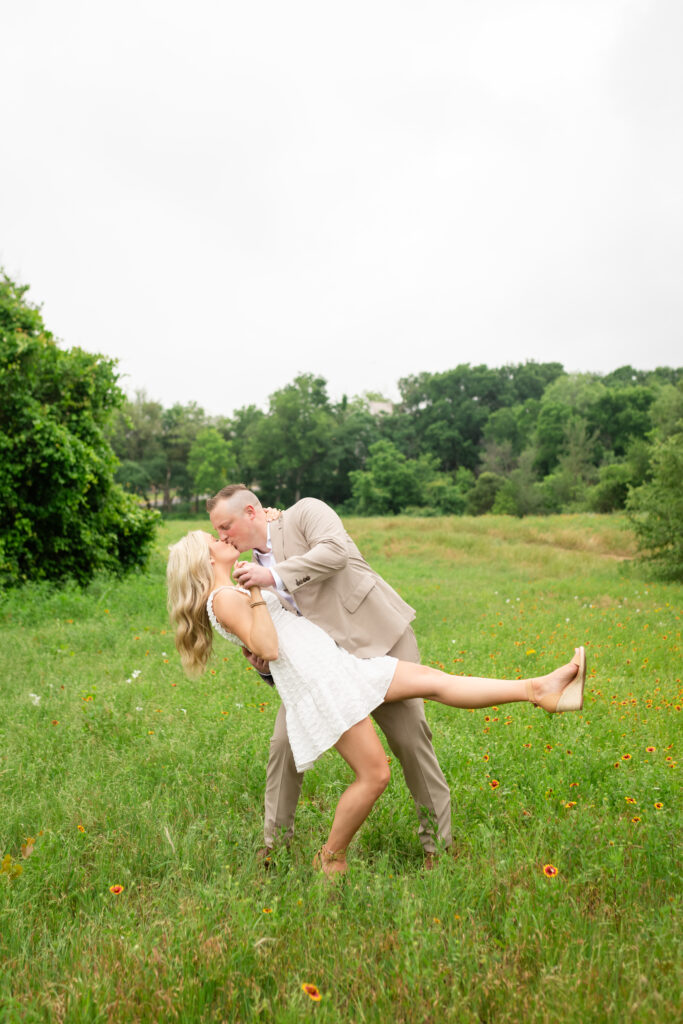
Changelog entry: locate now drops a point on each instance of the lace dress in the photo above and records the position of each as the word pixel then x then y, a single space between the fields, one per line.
pixel 325 690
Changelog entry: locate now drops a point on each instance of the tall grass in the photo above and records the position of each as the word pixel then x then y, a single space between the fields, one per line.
pixel 116 770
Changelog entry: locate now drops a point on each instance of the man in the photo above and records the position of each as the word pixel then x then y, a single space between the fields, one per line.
pixel 317 570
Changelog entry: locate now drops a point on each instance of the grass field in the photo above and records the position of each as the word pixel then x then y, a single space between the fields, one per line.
pixel 117 771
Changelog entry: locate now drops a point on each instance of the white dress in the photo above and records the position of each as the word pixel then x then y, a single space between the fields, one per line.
pixel 325 690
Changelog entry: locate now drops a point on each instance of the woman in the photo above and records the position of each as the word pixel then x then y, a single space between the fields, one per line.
pixel 202 598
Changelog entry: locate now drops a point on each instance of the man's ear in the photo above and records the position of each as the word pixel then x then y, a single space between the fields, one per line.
pixel 250 511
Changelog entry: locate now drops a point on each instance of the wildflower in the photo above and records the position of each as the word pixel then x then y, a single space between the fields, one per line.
pixel 571 784
pixel 81 828
pixel 549 870
pixel 631 800
pixel 55 721
pixel 486 757
pixel 635 820
pixel 135 673
pixel 617 764
pixel 650 750
pixel 570 803
pixel 116 889
pixel 35 699
pixel 659 805
pixel 267 910
pixel 312 992
pixel 531 651
pixel 494 783
pixel 625 757
pixel 527 745
pixel 548 746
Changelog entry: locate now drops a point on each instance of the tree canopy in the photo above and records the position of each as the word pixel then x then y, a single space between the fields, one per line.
pixel 61 513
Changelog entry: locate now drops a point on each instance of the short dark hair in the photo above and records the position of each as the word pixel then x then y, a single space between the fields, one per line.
pixel 226 493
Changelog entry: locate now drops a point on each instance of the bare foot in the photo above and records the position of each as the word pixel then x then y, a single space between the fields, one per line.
pixel 555 681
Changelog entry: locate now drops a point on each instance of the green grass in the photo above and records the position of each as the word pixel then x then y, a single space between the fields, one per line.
pixel 127 773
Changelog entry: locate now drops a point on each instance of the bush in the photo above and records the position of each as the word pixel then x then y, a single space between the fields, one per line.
pixel 656 510
pixel 61 514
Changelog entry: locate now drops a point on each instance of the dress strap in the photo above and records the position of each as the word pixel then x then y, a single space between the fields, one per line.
pixel 227 586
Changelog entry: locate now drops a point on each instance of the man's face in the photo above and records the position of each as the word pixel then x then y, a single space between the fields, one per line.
pixel 235 523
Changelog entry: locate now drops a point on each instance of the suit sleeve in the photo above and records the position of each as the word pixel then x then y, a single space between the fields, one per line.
pixel 325 536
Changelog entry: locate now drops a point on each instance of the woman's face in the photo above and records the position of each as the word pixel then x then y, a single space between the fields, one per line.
pixel 221 552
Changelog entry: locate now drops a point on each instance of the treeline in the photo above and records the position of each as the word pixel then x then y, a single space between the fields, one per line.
pixel 518 439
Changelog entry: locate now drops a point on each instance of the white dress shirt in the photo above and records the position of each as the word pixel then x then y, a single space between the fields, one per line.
pixel 267 560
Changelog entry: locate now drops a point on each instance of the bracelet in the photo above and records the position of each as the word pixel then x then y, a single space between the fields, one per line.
pixel 255 604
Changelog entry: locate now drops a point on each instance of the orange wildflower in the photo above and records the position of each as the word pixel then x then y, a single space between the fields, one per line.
pixel 650 750
pixel 312 992
pixel 549 870
pixel 659 805
pixel 625 757
pixel 116 889
pixel 494 783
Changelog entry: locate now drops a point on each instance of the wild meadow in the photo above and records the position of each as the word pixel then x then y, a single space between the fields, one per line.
pixel 131 805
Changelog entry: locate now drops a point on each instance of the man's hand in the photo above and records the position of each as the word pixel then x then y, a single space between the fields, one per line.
pixel 260 664
pixel 251 574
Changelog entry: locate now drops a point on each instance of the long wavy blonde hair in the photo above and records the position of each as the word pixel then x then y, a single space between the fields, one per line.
pixel 189 579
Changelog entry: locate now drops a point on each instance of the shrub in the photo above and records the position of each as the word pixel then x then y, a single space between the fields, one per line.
pixel 61 514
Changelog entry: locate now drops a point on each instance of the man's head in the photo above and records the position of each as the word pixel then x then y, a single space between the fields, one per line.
pixel 237 515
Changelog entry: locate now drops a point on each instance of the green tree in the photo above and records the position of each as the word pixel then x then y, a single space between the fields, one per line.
pixel 135 433
pixel 291 444
pixel 390 482
pixel 482 497
pixel 211 463
pixel 656 509
pixel 62 516
pixel 179 427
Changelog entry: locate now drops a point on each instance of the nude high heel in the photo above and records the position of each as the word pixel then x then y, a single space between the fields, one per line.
pixel 568 699
pixel 330 862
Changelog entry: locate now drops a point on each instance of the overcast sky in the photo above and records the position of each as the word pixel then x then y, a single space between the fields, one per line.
pixel 222 195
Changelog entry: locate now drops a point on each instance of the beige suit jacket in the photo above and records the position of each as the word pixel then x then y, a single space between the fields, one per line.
pixel 332 583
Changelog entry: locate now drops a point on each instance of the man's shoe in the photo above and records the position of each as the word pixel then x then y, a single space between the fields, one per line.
pixel 264 856
pixel 432 859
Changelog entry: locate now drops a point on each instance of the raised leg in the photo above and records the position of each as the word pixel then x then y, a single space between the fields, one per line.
pixel 478 692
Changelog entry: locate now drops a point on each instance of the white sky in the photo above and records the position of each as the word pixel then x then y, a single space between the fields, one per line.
pixel 222 195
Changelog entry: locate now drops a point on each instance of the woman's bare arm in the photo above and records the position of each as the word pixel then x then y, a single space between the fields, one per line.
pixel 253 626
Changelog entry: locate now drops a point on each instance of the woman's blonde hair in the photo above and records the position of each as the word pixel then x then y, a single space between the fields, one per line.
pixel 189 579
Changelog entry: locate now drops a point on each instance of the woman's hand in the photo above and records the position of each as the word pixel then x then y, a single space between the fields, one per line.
pixel 251 574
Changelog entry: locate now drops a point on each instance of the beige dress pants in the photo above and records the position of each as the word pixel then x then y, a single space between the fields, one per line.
pixel 410 739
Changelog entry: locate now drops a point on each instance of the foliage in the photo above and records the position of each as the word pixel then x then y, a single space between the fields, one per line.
pixel 211 461
pixel 551 440
pixel 62 516
pixel 656 509
pixel 391 482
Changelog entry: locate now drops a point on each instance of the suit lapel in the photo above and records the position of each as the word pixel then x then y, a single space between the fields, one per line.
pixel 277 539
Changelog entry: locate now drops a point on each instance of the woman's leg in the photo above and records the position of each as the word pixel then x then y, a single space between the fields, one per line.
pixel 475 692
pixel 361 749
